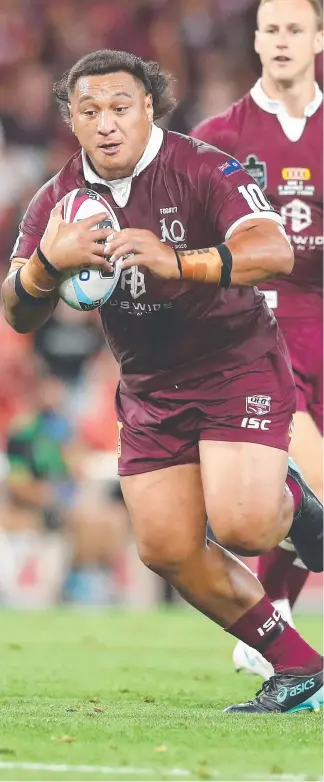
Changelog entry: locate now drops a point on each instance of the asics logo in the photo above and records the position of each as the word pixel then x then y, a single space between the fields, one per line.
pixel 293 691
pixel 282 695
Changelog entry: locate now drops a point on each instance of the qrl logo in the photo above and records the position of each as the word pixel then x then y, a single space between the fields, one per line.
pixel 298 213
pixel 176 232
pixel 254 423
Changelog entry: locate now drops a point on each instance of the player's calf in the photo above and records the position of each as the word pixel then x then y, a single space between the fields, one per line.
pixel 306 531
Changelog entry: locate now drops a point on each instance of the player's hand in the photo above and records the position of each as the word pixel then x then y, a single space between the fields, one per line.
pixel 143 249
pixel 71 245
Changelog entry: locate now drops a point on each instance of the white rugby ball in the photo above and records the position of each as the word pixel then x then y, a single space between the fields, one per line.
pixel 88 287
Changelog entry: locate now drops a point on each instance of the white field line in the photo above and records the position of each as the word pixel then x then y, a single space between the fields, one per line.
pixel 84 769
pixel 135 770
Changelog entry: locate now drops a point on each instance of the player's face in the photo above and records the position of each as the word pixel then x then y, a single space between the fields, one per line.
pixel 287 39
pixel 112 117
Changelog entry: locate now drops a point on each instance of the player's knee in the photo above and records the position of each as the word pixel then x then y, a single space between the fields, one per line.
pixel 249 535
pixel 166 557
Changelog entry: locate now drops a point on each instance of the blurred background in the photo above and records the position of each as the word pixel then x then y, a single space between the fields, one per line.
pixel 64 531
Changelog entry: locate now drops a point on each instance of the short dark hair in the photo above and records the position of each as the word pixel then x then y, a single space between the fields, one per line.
pixel 155 81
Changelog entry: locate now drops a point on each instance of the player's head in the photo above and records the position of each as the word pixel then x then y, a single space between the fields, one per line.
pixel 288 37
pixel 110 99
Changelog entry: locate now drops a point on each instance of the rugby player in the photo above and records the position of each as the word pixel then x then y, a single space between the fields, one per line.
pixel 276 131
pixel 199 352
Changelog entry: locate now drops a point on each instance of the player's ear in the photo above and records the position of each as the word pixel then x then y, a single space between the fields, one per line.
pixel 71 118
pixel 149 107
pixel 318 42
pixel 256 42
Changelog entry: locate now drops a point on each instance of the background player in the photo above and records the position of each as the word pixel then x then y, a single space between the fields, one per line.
pixel 181 401
pixel 276 131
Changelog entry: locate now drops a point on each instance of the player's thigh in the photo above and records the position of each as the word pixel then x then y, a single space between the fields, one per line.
pixel 306 449
pixel 244 486
pixel 167 512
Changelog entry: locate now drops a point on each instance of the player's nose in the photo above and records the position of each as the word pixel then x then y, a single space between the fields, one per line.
pixel 282 42
pixel 106 122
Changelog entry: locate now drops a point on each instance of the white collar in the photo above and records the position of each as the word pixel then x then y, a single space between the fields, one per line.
pixel 277 107
pixel 120 188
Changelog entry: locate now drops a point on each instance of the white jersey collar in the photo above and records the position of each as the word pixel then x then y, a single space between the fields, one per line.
pixel 277 107
pixel 121 188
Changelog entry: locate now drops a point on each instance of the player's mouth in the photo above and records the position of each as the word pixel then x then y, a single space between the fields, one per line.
pixel 282 59
pixel 110 148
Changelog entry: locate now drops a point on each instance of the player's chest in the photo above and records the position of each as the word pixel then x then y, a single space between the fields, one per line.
pixel 176 218
pixel 284 169
pixel 174 215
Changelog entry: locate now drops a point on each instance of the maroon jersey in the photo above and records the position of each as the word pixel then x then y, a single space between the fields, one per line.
pixel 191 196
pixel 285 157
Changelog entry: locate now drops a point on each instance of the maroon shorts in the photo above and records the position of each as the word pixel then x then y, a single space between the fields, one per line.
pixel 304 339
pixel 253 403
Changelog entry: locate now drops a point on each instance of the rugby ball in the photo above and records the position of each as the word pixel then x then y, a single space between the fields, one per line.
pixel 88 287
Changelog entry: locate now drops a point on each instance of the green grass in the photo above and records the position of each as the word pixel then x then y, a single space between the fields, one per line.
pixel 140 690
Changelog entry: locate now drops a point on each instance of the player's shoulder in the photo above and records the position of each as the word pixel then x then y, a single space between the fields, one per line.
pixel 184 152
pixel 223 130
pixel 189 158
pixel 68 178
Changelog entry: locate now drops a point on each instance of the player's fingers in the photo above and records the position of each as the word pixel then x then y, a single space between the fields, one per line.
pixel 96 260
pixel 115 241
pixel 57 210
pixel 93 219
pixel 124 249
pixel 98 249
pixel 134 260
pixel 99 234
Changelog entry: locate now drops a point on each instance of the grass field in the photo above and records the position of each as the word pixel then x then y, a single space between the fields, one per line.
pixel 139 697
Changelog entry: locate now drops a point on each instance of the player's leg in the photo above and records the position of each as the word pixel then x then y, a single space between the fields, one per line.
pixel 280 571
pixel 243 487
pixel 161 483
pixel 168 515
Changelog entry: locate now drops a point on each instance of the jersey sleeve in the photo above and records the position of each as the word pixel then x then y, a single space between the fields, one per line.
pixel 235 198
pixel 34 222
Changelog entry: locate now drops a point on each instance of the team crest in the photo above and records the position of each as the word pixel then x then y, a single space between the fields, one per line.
pixel 258 404
pixel 258 169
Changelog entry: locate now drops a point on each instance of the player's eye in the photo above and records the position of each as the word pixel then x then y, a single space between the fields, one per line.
pixel 296 30
pixel 120 109
pixel 89 113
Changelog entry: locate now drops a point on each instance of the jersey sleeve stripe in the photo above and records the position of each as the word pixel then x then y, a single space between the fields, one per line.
pixel 252 216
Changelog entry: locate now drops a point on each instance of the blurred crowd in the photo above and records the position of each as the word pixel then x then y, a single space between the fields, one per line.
pixel 64 531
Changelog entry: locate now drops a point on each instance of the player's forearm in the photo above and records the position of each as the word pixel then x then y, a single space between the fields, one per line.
pixel 27 315
pixel 258 254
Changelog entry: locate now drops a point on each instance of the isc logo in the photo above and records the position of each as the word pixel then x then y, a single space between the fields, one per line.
pixel 254 423
pixel 273 620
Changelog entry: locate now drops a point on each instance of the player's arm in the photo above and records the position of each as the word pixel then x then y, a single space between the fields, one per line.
pixel 30 290
pixel 256 251
pixel 21 313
